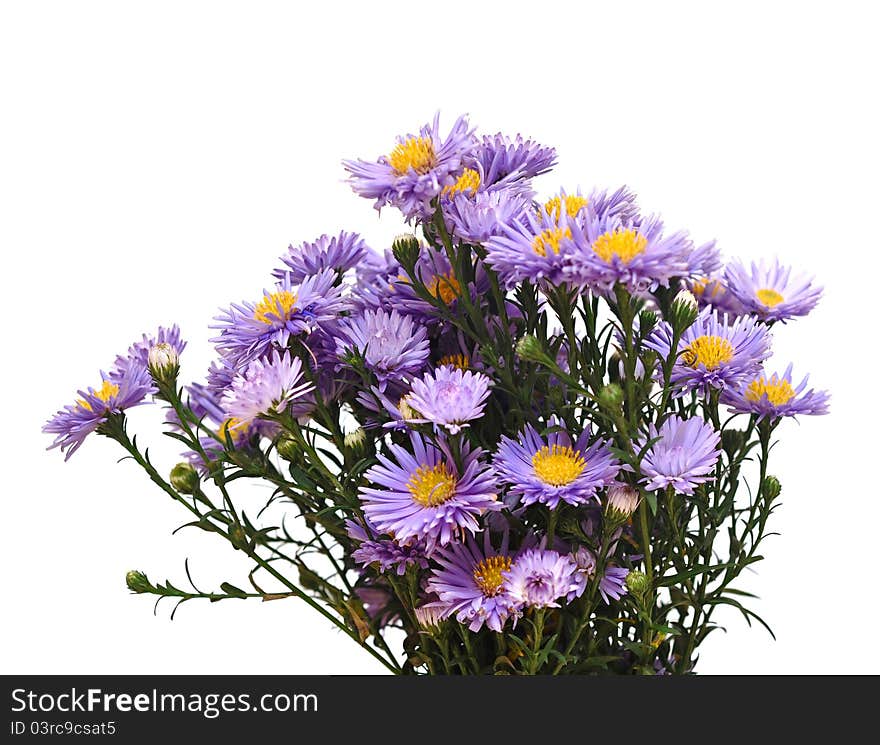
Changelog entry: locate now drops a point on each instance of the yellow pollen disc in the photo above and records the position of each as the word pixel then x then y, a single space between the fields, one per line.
pixel 233 427
pixel 460 361
pixel 550 239
pixel 709 351
pixel 777 391
pixel 468 181
pixel 431 485
pixel 488 574
pixel 275 307
pixel 573 204
pixel 104 393
pixel 407 412
pixel 445 287
pixel 769 297
pixel 624 244
pixel 416 153
pixel 558 465
pixel 706 287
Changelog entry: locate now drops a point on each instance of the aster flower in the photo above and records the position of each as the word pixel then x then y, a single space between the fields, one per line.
pixel 553 469
pixel 416 170
pixel 138 353
pixel 711 292
pixel 771 291
pixel 773 396
pixel 504 159
pixel 398 411
pixel 540 577
pixel 450 397
pixel 713 352
pixel 251 330
pixel 483 215
pixel 121 389
pixel 340 253
pixel 267 386
pixel 471 584
pixel 683 457
pixel 392 346
pixel 385 553
pixel 423 496
pixel 612 585
pixel 704 260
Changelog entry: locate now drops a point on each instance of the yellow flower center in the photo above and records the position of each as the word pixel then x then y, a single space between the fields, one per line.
pixel 407 412
pixel 488 574
pixel 558 465
pixel 572 203
pixel 275 307
pixel 460 361
pixel 416 153
pixel 233 428
pixel 706 287
pixel 550 238
pixel 624 244
pixel 777 391
pixel 431 485
pixel 709 351
pixel 769 297
pixel 468 181
pixel 104 393
pixel 445 287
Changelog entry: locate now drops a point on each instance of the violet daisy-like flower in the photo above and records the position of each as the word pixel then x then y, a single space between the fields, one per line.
pixel 612 585
pixel 250 330
pixel 340 253
pixel 772 396
pixel 385 553
pixel 121 389
pixel 683 457
pixel 770 290
pixel 423 496
pixel 540 577
pixel 503 159
pixel 416 170
pixel 711 292
pixel 450 397
pixel 471 584
pixel 393 347
pixel 714 352
pixel 483 215
pixel 553 469
pixel 267 386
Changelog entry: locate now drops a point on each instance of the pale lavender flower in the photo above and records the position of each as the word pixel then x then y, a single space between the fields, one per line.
pixel 770 290
pixel 266 387
pixel 683 457
pixel 340 253
pixel 540 577
pixel 449 397
pixel 773 396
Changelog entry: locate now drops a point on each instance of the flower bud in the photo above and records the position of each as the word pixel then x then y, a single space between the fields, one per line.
pixel 406 250
pixel 163 363
pixel 184 478
pixel 732 441
pixel 772 488
pixel 355 440
pixel 611 397
pixel 621 502
pixel 647 321
pixel 137 582
pixel 429 617
pixel 529 348
pixel 638 583
pixel 684 310
pixel 288 448
pixel 238 537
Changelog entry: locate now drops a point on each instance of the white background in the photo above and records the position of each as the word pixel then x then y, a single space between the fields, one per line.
pixel 155 159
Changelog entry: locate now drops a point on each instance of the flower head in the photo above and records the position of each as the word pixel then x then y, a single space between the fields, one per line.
pixel 711 292
pixel 540 577
pixel 450 397
pixel 484 214
pixel 393 347
pixel 713 352
pixel 775 395
pixel 340 253
pixel 504 159
pixel 267 386
pixel 416 170
pixel 770 290
pixel 554 469
pixel 612 585
pixel 385 553
pixel 683 457
pixel 423 496
pixel 139 352
pixel 471 584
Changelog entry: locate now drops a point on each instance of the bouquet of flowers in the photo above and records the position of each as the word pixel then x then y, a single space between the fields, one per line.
pixel 532 437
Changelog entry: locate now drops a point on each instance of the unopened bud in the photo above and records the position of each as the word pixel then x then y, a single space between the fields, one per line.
pixel 406 250
pixel 429 616
pixel 163 362
pixel 355 440
pixel 772 488
pixel 621 502
pixel 288 448
pixel 611 397
pixel 137 582
pixel 184 478
pixel 647 321
pixel 684 310
pixel 238 537
pixel 732 441
pixel 638 583
pixel 529 348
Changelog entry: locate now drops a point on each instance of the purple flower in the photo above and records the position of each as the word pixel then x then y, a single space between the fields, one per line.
pixel 385 553
pixel 612 585
pixel 553 470
pixel 120 389
pixel 483 215
pixel 771 291
pixel 683 457
pixel 267 386
pixel 450 397
pixel 392 346
pixel 340 253
pixel 499 158
pixel 540 577
pixel 713 352
pixel 711 292
pixel 415 172
pixel 424 496
pixel 251 330
pixel 471 584
pixel 775 396
pixel 139 351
